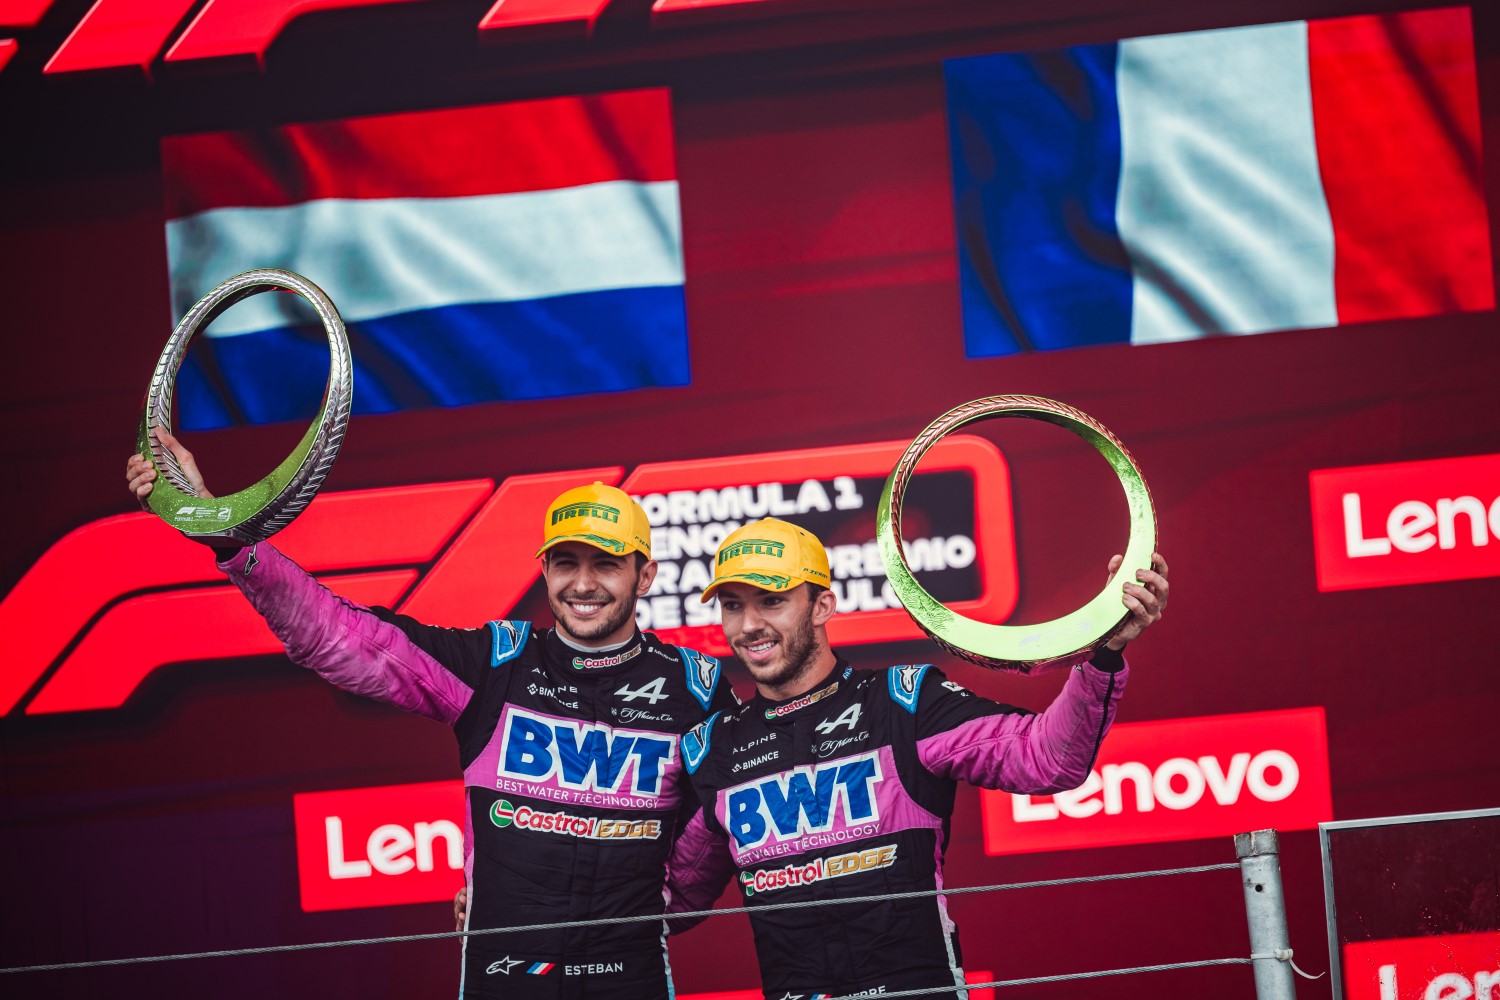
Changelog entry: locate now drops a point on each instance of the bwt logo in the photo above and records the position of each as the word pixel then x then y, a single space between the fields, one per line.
pixel 586 757
pixel 456 554
pixel 804 801
pixel 1408 522
pixel 1178 779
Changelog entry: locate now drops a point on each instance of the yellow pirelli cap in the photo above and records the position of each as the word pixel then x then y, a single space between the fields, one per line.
pixel 771 554
pixel 597 515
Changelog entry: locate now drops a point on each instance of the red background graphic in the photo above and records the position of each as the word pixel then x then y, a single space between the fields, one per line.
pixel 1419 961
pixel 1298 733
pixel 823 312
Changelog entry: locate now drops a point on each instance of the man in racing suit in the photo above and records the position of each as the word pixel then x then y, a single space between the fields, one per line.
pixel 835 782
pixel 569 742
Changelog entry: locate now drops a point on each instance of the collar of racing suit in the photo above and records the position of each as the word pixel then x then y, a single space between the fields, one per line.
pixel 789 709
pixel 567 660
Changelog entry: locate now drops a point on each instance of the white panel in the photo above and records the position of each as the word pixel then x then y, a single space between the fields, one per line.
pixel 379 257
pixel 1221 205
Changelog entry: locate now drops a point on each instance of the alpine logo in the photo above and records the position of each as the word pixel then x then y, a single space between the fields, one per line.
pixel 806 801
pixel 654 692
pixel 850 718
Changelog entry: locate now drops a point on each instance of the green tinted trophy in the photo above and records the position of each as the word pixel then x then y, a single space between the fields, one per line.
pixel 1024 648
pixel 265 508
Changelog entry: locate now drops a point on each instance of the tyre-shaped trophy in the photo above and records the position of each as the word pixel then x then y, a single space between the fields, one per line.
pixel 1064 641
pixel 260 510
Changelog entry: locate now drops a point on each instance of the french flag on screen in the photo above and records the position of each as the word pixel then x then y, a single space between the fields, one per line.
pixel 1271 177
pixel 507 251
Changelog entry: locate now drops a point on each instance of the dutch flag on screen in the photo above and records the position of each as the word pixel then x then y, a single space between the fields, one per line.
pixel 1272 177
pixel 508 251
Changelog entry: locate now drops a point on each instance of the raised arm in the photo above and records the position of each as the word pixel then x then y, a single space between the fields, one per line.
pixel 968 738
pixel 345 643
pixel 350 645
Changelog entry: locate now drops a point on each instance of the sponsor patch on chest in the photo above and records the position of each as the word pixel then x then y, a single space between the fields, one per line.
pixel 812 805
pixel 586 763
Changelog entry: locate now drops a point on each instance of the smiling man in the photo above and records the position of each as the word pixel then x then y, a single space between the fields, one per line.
pixel 835 782
pixel 569 741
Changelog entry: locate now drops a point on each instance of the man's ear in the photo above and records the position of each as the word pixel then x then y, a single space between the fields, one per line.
pixel 648 575
pixel 824 605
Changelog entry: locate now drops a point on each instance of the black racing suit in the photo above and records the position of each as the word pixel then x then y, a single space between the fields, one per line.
pixel 572 767
pixel 848 790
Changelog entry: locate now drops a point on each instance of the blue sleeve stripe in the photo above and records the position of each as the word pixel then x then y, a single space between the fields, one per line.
pixel 696 741
pixel 702 674
pixel 509 638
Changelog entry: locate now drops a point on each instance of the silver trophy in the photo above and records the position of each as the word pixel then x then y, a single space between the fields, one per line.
pixel 261 510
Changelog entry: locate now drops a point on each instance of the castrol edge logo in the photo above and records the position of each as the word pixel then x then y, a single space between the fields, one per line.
pixel 1408 522
pixel 379 846
pixel 1178 779
pixel 461 553
pixel 817 870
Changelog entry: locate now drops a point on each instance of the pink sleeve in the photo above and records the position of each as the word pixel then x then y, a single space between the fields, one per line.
pixel 1029 753
pixel 344 642
pixel 697 871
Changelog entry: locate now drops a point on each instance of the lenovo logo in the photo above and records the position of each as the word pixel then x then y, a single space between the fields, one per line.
pixel 1409 522
pixel 379 846
pixel 1178 779
pixel 1442 967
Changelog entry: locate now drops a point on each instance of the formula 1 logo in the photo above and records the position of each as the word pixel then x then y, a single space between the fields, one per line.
pixel 457 554
pixel 582 756
pixel 804 801
pixel 117 34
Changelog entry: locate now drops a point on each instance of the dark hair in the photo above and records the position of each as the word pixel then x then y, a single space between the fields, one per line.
pixel 813 591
